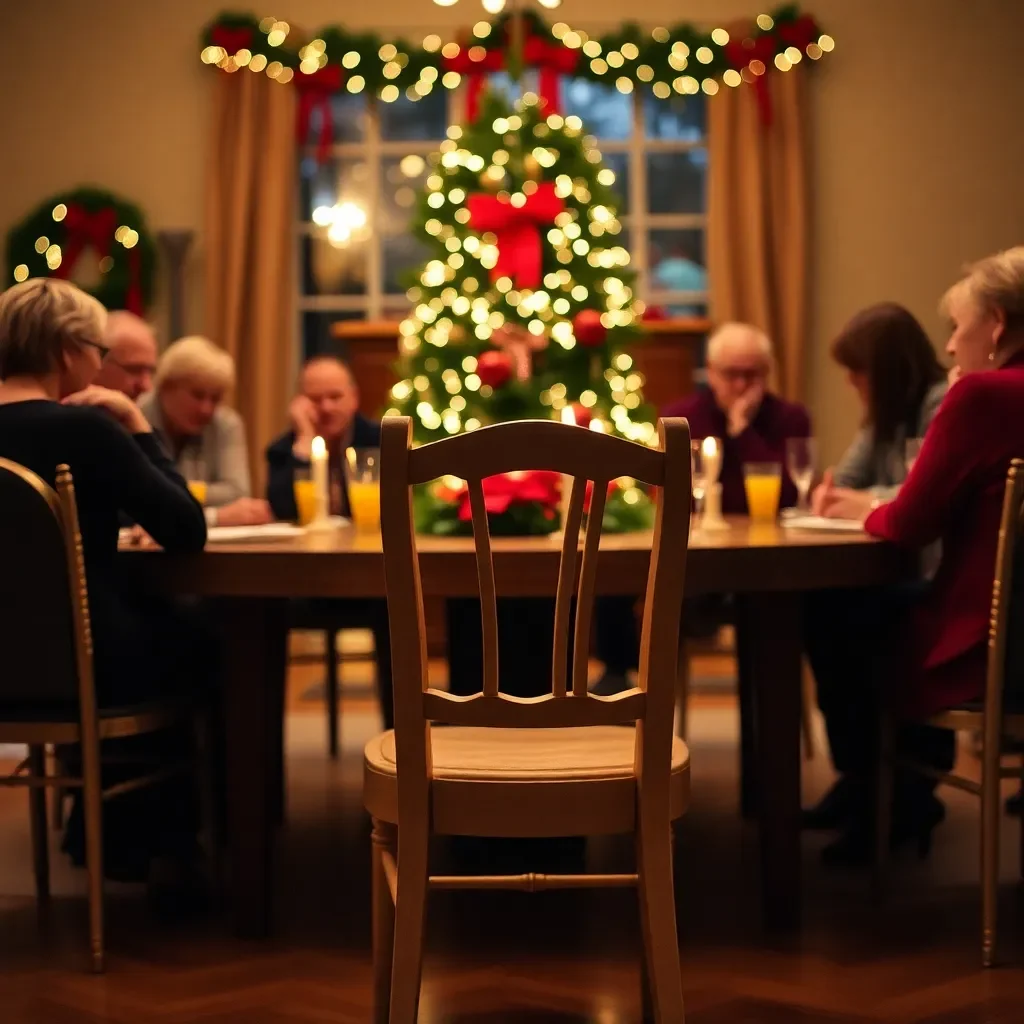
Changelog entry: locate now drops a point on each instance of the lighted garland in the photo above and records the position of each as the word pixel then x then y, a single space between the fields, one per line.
pixel 49 241
pixel 684 59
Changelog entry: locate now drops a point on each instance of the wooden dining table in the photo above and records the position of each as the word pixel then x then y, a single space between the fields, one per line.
pixel 768 569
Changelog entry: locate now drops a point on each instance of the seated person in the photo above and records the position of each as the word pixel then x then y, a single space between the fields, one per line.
pixel 51 348
pixel 327 406
pixel 754 425
pixel 206 439
pixel 892 366
pixel 131 356
pixel 930 640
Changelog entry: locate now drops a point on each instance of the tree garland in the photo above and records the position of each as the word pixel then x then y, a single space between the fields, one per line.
pixel 50 240
pixel 684 59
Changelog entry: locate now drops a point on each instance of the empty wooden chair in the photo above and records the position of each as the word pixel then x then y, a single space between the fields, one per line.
pixel 47 693
pixel 998 717
pixel 566 763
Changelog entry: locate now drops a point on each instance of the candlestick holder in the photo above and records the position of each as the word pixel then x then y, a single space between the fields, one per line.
pixel 712 518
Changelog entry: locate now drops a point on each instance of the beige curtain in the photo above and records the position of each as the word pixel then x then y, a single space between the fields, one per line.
pixel 758 207
pixel 250 200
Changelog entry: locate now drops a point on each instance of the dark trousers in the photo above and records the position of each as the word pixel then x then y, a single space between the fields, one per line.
pixel 852 639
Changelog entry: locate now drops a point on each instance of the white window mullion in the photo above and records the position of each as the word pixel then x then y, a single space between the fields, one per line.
pixel 375 248
pixel 638 195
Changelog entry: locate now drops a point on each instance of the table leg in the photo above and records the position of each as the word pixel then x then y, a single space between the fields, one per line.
pixel 255 647
pixel 772 623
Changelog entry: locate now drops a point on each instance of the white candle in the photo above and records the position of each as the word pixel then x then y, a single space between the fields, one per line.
pixel 711 450
pixel 568 417
pixel 321 482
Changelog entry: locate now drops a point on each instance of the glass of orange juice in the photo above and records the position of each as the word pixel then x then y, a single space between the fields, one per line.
pixel 198 489
pixel 364 487
pixel 763 482
pixel 304 489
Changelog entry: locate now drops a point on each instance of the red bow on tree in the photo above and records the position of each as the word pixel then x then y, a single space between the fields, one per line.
pixel 231 39
pixel 741 53
pixel 315 92
pixel 553 60
pixel 473 63
pixel 508 489
pixel 518 231
pixel 85 228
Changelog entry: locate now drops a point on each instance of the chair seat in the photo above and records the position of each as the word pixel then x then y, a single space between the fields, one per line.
pixel 525 782
pixel 59 723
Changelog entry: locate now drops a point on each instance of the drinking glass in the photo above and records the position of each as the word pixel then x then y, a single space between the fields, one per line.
pixel 698 476
pixel 304 488
pixel 198 489
pixel 801 453
pixel 364 487
pixel 911 450
pixel 763 482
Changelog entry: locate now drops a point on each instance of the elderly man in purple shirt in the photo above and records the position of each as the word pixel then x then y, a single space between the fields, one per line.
pixel 737 407
pixel 754 426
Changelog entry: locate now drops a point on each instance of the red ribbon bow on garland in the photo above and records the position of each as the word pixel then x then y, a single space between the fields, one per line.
pixel 520 255
pixel 84 229
pixel 231 40
pixel 741 54
pixel 552 59
pixel 500 492
pixel 315 92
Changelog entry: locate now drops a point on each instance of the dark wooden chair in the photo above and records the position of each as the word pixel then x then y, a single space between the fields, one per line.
pixel 998 717
pixel 47 690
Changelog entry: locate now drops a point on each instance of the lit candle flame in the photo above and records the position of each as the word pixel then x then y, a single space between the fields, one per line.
pixel 710 446
pixel 568 416
pixel 318 449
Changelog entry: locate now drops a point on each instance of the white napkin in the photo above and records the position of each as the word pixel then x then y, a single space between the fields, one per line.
pixel 822 523
pixel 271 531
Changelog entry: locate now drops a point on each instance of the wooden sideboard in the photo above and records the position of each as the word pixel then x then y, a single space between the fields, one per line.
pixel 667 357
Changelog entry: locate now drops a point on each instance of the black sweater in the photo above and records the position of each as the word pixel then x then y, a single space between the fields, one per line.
pixel 114 473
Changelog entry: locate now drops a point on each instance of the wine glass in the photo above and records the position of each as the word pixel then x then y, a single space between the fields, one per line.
pixel 801 455
pixel 698 475
pixel 911 450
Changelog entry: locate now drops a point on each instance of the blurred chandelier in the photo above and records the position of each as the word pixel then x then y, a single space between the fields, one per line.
pixel 497 6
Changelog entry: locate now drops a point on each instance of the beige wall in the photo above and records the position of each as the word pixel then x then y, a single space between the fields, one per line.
pixel 917 156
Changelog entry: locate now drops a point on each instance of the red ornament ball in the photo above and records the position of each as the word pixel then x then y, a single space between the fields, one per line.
pixel 582 413
pixel 589 330
pixel 494 368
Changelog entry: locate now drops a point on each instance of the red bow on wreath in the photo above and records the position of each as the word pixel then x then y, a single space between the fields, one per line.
pixel 96 228
pixel 500 492
pixel 799 33
pixel 315 92
pixel 742 53
pixel 520 254
pixel 230 39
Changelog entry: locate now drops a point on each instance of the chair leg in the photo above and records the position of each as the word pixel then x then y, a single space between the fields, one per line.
pixel 682 687
pixel 990 798
pixel 884 781
pixel 410 918
pixel 383 923
pixel 807 715
pixel 331 665
pixel 57 807
pixel 37 812
pixel 92 800
pixel 658 918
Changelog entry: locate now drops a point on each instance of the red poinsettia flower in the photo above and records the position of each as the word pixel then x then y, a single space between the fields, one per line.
pixel 589 493
pixel 508 489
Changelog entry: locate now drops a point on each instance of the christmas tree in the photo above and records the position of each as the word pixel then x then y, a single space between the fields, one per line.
pixel 524 308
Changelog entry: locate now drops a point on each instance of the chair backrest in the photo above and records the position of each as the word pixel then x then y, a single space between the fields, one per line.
pixel 1005 678
pixel 45 639
pixel 584 455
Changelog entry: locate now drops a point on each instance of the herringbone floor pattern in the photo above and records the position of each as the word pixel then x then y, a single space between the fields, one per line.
pixel 505 958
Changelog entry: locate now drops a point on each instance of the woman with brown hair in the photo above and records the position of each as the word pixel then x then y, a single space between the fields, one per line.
pixel 890 363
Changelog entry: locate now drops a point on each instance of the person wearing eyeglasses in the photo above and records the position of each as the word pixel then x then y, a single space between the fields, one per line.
pixel 131 355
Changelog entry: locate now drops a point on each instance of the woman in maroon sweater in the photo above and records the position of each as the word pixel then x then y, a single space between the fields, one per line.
pixel 953 495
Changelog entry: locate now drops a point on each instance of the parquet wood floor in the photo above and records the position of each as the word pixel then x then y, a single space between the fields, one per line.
pixel 506 958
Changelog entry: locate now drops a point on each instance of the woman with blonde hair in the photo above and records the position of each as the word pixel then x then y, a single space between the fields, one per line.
pixel 931 643
pixel 51 348
pixel 205 437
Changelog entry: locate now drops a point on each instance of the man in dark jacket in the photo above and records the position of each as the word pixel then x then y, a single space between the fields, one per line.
pixel 327 406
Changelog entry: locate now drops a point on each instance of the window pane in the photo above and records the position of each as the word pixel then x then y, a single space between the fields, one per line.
pixel 676 259
pixel 619 163
pixel 316 331
pixel 330 269
pixel 505 85
pixel 348 119
pixel 679 118
pixel 406 119
pixel 401 182
pixel 675 181
pixel 402 255
pixel 606 112
pixel 336 181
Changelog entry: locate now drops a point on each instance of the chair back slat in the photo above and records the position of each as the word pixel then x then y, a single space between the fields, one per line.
pixel 42 591
pixel 588 582
pixel 485 582
pixel 566 584
pixel 547 711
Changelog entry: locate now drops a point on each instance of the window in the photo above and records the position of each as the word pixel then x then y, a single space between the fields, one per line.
pixel 359 265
